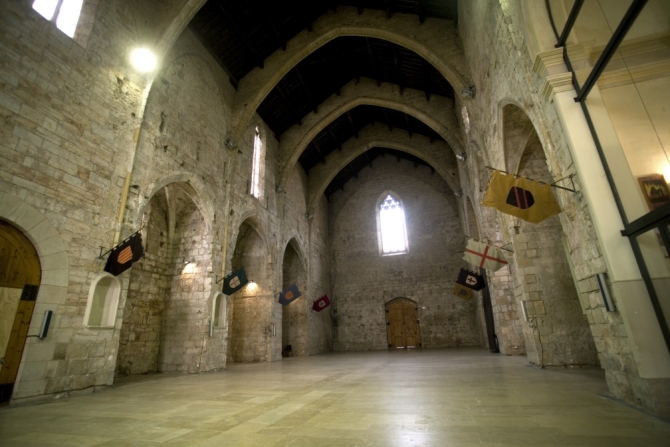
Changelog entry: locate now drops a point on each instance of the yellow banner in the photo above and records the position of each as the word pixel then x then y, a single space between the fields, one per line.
pixel 518 196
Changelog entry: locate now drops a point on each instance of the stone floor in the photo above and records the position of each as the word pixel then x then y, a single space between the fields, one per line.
pixel 444 397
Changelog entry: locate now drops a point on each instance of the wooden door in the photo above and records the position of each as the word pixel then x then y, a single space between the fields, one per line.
pixel 403 324
pixel 20 275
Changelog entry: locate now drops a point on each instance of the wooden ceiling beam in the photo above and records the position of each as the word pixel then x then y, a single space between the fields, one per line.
pixel 297 117
pixel 374 64
pixel 426 79
pixel 318 150
pixel 387 6
pixel 329 71
pixel 388 120
pixel 367 158
pixel 335 139
pixel 351 123
pixel 241 34
pixel 396 62
pixel 315 106
pixel 422 11
pixel 409 125
pixel 281 38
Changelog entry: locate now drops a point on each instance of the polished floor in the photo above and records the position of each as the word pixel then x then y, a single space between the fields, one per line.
pixel 444 397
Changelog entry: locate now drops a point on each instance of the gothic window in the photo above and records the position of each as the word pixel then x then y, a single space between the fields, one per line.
pixel 391 225
pixel 64 13
pixel 257 164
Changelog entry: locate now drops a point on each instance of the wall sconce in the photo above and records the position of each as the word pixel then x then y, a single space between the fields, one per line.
pixel 458 193
pixel 189 266
pixel 462 156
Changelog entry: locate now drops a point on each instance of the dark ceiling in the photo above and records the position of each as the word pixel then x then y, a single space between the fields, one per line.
pixel 241 34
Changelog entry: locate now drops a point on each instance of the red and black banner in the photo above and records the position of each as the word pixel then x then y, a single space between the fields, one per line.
pixel 122 256
pixel 471 280
pixel 321 303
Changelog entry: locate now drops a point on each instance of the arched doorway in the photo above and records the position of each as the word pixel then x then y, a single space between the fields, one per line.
pixel 166 314
pixel 252 330
pixel 20 275
pixel 402 323
pixel 294 315
pixel 556 330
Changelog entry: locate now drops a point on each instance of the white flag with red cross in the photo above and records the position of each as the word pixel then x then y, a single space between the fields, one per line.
pixel 484 255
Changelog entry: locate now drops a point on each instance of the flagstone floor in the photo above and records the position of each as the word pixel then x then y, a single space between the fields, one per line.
pixel 441 397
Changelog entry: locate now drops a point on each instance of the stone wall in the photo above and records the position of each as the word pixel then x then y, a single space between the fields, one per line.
pixel 65 138
pixel 363 280
pixel 74 130
pixel 495 47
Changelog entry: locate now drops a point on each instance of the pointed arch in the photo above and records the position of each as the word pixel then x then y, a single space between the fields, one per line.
pixel 438 114
pixel 436 154
pixel 435 41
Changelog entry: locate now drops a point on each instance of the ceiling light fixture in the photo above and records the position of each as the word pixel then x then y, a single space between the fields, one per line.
pixel 143 59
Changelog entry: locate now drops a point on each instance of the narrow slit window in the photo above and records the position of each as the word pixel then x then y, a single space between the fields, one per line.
pixel 255 189
pixel 65 13
pixel 392 229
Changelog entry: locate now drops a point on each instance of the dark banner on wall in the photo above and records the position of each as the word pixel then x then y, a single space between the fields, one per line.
pixel 235 281
pixel 289 295
pixel 123 255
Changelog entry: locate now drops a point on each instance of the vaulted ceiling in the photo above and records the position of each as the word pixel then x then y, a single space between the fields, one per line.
pixel 241 34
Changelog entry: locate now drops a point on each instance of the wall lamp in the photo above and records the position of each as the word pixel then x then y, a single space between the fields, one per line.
pixel 462 156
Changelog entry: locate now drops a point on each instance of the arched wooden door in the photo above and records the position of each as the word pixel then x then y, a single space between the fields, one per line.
pixel 402 322
pixel 20 275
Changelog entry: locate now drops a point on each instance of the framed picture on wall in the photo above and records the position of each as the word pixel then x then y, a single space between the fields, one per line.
pixel 655 190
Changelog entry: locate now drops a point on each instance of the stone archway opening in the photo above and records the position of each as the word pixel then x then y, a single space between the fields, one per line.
pixel 20 277
pixel 166 313
pixel 251 323
pixel 556 330
pixel 294 315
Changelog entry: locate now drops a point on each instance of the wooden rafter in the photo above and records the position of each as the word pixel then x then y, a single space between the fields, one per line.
pixel 397 63
pixel 374 64
pixel 241 34
pixel 280 89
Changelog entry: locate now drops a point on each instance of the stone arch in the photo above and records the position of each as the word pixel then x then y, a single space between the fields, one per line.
pixel 183 15
pixel 294 316
pixel 195 189
pixel 518 130
pixel 438 114
pixel 252 306
pixel 546 284
pixel 435 40
pixel 436 154
pixel 55 271
pixel 471 221
pixel 166 302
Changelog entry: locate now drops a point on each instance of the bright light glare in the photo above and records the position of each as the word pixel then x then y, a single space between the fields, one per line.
pixel 68 16
pixel 666 174
pixel 191 267
pixel 45 7
pixel 392 222
pixel 143 60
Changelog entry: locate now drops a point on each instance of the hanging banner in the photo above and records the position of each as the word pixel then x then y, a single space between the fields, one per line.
pixel 321 303
pixel 235 281
pixel 289 295
pixel 122 256
pixel 462 292
pixel 484 255
pixel 471 280
pixel 526 199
